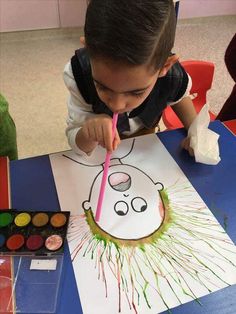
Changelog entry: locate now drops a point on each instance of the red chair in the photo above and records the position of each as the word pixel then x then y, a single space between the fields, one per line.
pixel 201 73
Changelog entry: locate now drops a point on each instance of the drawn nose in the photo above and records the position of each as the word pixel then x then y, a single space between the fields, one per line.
pixel 119 181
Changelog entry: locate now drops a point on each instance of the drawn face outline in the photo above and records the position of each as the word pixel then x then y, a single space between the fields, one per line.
pixel 120 217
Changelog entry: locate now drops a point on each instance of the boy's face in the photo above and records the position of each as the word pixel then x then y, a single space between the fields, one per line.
pixel 120 86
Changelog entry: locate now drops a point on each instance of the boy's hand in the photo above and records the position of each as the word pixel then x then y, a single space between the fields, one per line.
pixel 186 145
pixel 98 130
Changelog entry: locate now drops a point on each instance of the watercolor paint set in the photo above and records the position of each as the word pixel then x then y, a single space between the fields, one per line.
pixel 32 233
pixel 31 253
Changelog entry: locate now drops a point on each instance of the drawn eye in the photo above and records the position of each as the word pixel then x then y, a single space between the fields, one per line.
pixel 139 204
pixel 121 208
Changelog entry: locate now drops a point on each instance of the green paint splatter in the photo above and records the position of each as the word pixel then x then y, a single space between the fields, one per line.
pixel 169 255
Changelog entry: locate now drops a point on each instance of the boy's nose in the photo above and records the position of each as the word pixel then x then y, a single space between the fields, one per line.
pixel 117 103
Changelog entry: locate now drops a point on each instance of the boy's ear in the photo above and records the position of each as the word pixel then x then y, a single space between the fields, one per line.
pixel 169 63
pixel 82 40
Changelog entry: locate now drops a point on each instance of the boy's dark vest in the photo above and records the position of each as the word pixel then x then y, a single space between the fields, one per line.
pixel 167 89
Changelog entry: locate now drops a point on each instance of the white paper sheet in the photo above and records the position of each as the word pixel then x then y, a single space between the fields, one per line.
pixel 156 245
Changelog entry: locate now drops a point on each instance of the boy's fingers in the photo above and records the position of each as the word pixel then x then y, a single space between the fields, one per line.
pixel 191 152
pixel 186 145
pixel 107 136
pixel 92 133
pixel 99 135
pixel 116 141
pixel 86 131
pixel 115 144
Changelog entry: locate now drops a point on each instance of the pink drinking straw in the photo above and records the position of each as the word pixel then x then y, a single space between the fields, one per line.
pixel 105 171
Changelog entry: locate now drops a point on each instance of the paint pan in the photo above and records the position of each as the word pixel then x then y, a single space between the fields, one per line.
pixel 32 233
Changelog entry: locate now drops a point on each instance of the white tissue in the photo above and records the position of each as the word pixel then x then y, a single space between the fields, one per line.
pixel 203 141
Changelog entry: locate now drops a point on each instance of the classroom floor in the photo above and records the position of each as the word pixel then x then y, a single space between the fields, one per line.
pixel 31 66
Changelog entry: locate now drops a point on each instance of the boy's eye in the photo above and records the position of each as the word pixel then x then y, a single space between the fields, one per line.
pixel 101 88
pixel 140 94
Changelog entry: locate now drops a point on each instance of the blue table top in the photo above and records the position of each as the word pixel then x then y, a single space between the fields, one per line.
pixel 33 188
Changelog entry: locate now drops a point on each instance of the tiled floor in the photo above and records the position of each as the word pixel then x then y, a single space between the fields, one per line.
pixel 31 65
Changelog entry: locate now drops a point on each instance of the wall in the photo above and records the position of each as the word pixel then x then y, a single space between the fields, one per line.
pixel 72 12
pixel 28 14
pixel 199 8
pixel 42 14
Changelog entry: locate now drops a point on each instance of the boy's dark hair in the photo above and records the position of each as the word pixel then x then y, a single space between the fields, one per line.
pixel 131 31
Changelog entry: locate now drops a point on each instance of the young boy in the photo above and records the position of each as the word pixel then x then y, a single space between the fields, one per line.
pixel 126 67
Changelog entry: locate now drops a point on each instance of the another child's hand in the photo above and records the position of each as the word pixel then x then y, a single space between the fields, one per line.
pixel 99 129
pixel 186 145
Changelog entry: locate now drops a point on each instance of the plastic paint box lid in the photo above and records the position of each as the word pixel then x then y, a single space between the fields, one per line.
pixel 35 286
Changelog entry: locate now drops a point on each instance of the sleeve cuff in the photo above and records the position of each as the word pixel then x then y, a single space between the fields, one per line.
pixel 72 142
pixel 187 92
